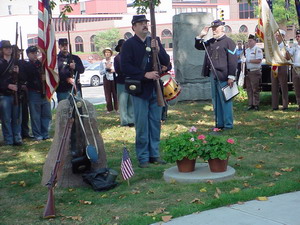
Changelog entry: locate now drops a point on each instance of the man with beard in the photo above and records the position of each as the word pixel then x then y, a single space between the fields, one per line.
pixel 69 66
pixel 136 63
pixel 220 65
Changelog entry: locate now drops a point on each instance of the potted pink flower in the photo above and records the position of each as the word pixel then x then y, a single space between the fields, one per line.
pixel 216 149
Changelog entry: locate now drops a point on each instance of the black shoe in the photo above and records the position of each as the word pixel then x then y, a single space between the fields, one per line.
pixel 144 165
pixel 27 136
pixel 274 109
pixel 250 108
pixel 256 108
pixel 157 161
pixel 19 143
pixel 130 124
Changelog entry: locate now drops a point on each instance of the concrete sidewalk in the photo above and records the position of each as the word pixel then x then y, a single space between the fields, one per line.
pixel 282 209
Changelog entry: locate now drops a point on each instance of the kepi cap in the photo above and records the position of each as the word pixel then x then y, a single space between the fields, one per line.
pixel 5 44
pixel 217 23
pixel 138 18
pixel 251 36
pixel 31 49
pixel 120 43
pixel 63 41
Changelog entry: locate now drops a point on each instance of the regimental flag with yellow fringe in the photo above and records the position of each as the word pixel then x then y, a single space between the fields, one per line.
pixel 266 29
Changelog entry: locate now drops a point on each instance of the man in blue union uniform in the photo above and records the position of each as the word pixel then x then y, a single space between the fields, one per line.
pixel 147 113
pixel 221 50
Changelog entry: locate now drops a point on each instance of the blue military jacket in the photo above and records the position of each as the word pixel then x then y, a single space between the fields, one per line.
pixel 132 55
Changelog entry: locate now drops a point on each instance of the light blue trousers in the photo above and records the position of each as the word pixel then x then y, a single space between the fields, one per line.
pixel 147 126
pixel 223 110
pixel 125 105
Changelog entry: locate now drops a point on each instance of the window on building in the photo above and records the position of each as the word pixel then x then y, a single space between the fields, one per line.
pixel 243 29
pixel 228 29
pixel 166 38
pixel 79 44
pixel 93 47
pixel 32 41
pixel 9 9
pixel 127 35
pixel 247 11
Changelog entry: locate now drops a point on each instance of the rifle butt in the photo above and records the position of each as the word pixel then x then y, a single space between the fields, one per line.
pixel 160 97
pixel 49 211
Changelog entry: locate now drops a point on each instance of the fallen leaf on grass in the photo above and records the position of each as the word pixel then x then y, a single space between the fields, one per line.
pixel 235 190
pixel 246 184
pixel 166 218
pixel 218 190
pixel 197 201
pixel 85 202
pixel 203 190
pixel 135 192
pixel 298 137
pixel 262 198
pixel 178 200
pixel 78 218
pixel 70 189
pixel 155 212
pixel 104 196
pixel 13 182
pixel 258 166
pixel 22 183
pixel 287 169
pixel 116 217
pixel 210 181
pixel 277 174
pixel 150 192
pixel 122 196
pixel 240 203
pixel 270 184
pixel 240 158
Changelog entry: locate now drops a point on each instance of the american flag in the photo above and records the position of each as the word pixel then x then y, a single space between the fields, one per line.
pixel 126 165
pixel 47 46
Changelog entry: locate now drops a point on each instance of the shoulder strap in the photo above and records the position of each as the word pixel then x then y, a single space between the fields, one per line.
pixel 146 56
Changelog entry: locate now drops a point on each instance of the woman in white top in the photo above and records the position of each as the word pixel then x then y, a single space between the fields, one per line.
pixel 108 72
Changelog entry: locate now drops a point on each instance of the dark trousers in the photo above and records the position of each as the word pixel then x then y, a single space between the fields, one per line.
pixel 110 95
pixel 25 116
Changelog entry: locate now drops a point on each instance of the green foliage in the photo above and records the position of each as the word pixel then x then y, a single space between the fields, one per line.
pixel 238 37
pixel 143 5
pixel 179 146
pixel 217 147
pixel 281 15
pixel 284 16
pixel 108 38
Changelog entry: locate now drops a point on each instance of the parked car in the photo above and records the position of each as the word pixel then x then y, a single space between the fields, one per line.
pixel 85 63
pixel 91 75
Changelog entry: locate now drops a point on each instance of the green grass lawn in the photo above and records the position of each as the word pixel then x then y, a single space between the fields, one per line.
pixel 267 164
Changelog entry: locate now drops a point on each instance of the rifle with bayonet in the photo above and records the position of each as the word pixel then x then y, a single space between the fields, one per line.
pixel 155 60
pixel 14 64
pixel 49 211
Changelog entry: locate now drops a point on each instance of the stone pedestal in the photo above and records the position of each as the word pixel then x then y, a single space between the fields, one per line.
pixel 201 174
pixel 188 61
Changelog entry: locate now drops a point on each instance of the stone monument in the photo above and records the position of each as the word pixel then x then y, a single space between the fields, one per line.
pixel 188 61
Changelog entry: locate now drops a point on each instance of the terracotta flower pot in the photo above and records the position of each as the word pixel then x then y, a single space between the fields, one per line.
pixel 186 165
pixel 218 165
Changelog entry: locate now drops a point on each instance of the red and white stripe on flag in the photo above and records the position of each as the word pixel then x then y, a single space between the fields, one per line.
pixel 47 46
pixel 126 165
